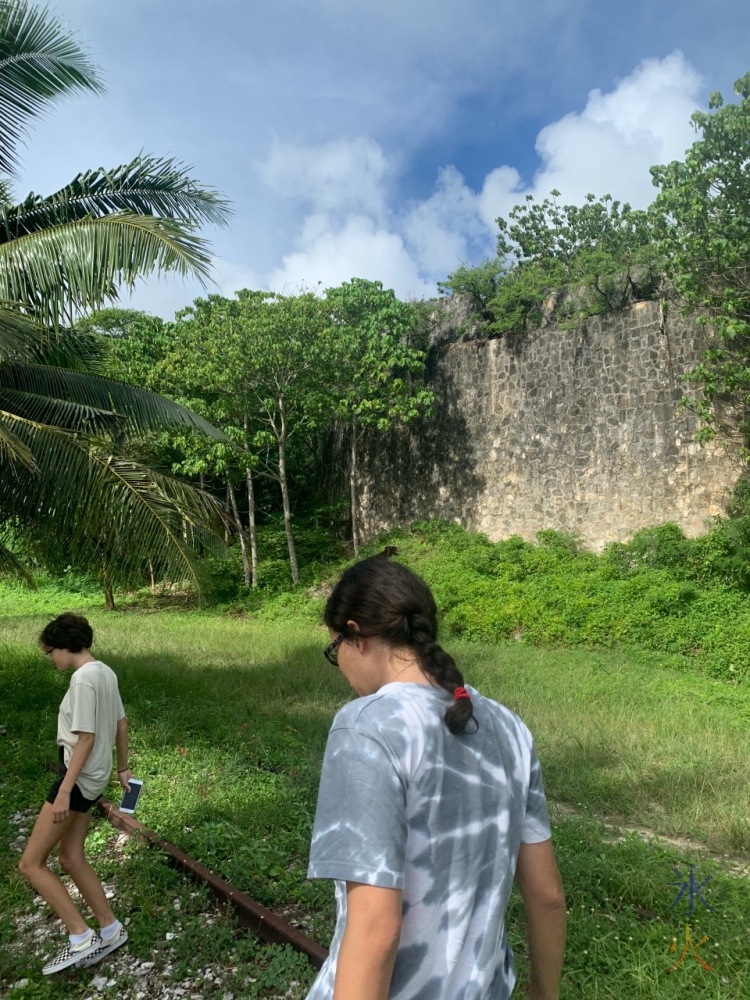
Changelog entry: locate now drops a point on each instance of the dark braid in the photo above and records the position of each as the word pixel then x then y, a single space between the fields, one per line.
pixel 387 600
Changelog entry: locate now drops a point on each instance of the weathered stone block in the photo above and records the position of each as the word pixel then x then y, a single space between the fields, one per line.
pixel 550 414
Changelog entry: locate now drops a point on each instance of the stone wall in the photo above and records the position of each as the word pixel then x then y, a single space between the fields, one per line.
pixel 572 429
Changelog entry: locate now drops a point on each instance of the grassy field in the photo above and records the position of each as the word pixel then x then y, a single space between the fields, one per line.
pixel 229 718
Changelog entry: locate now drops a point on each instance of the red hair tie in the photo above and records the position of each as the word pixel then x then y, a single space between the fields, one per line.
pixel 461 692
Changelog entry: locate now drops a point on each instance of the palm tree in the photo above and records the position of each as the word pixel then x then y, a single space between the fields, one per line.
pixel 67 484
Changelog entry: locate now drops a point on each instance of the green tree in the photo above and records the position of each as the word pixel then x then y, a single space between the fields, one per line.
pixel 374 366
pixel 702 220
pixel 63 427
pixel 172 360
pixel 594 256
pixel 265 352
pixel 480 282
pixel 598 251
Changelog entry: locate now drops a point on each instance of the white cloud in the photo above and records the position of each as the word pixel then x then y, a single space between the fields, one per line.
pixel 341 196
pixel 609 146
pixel 606 148
pixel 337 176
pixel 358 249
pixel 446 228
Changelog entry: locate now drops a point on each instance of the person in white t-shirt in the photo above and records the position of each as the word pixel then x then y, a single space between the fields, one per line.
pixel 90 722
pixel 431 802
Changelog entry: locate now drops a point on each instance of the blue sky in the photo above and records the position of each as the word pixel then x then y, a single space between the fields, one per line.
pixel 381 139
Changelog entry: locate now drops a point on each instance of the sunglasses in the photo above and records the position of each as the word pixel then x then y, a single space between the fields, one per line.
pixel 330 651
pixel 49 652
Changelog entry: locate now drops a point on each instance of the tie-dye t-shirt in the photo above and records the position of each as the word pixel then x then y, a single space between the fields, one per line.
pixel 404 804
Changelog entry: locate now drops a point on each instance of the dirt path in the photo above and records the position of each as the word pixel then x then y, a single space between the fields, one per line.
pixel 619 826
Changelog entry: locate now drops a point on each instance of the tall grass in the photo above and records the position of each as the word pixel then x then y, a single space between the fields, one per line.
pixel 229 718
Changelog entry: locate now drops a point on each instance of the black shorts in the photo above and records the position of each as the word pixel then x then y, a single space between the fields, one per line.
pixel 78 801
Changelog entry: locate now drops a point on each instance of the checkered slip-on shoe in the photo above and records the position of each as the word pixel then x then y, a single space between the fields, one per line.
pixel 105 947
pixel 73 954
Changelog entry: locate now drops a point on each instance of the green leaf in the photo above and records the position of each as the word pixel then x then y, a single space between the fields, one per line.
pixel 10 564
pixel 98 399
pixel 12 448
pixel 147 186
pixel 86 505
pixel 59 273
pixel 40 61
pixel 21 338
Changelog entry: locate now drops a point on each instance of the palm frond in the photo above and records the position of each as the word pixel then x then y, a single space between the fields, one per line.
pixel 59 412
pixel 21 337
pixel 148 185
pixel 10 564
pixel 76 349
pixel 12 448
pixel 59 273
pixel 143 410
pixel 93 508
pixel 40 60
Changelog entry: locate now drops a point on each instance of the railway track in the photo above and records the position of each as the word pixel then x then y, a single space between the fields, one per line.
pixel 257 919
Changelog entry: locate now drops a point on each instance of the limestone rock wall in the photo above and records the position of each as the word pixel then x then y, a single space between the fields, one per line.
pixel 574 429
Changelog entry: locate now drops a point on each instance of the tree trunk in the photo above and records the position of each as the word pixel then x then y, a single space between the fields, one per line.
pixel 151 576
pixel 251 527
pixel 241 532
pixel 353 489
pixel 109 597
pixel 226 526
pixel 285 499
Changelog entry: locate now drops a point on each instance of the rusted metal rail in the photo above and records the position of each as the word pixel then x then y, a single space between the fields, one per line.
pixel 256 918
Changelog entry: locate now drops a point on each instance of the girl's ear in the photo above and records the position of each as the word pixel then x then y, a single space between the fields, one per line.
pixel 361 644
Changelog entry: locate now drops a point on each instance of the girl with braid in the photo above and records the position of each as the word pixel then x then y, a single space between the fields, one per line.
pixel 430 803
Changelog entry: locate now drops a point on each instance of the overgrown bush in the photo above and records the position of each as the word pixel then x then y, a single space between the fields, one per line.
pixel 592 258
pixel 660 591
pixel 318 550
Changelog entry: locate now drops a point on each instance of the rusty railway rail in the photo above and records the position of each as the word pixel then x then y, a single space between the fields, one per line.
pixel 251 915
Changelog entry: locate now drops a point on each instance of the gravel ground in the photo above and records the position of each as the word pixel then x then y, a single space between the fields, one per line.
pixel 163 972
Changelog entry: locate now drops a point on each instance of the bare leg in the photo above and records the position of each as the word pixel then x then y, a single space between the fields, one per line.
pixel 73 860
pixel 33 867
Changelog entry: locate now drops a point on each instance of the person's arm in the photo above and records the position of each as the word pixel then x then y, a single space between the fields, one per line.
pixel 544 904
pixel 81 751
pixel 121 743
pixel 368 948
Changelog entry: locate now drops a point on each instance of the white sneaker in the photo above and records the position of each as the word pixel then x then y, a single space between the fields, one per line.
pixel 105 947
pixel 73 954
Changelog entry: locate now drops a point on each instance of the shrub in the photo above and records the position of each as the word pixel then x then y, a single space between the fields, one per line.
pixel 660 591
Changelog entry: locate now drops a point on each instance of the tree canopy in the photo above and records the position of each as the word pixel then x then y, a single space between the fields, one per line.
pixel 701 218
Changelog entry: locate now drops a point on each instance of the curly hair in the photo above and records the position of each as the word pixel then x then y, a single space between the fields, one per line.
pixel 68 631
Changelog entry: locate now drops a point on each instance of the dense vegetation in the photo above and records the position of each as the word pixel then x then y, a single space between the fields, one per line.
pixel 592 258
pixel 275 373
pixel 686 599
